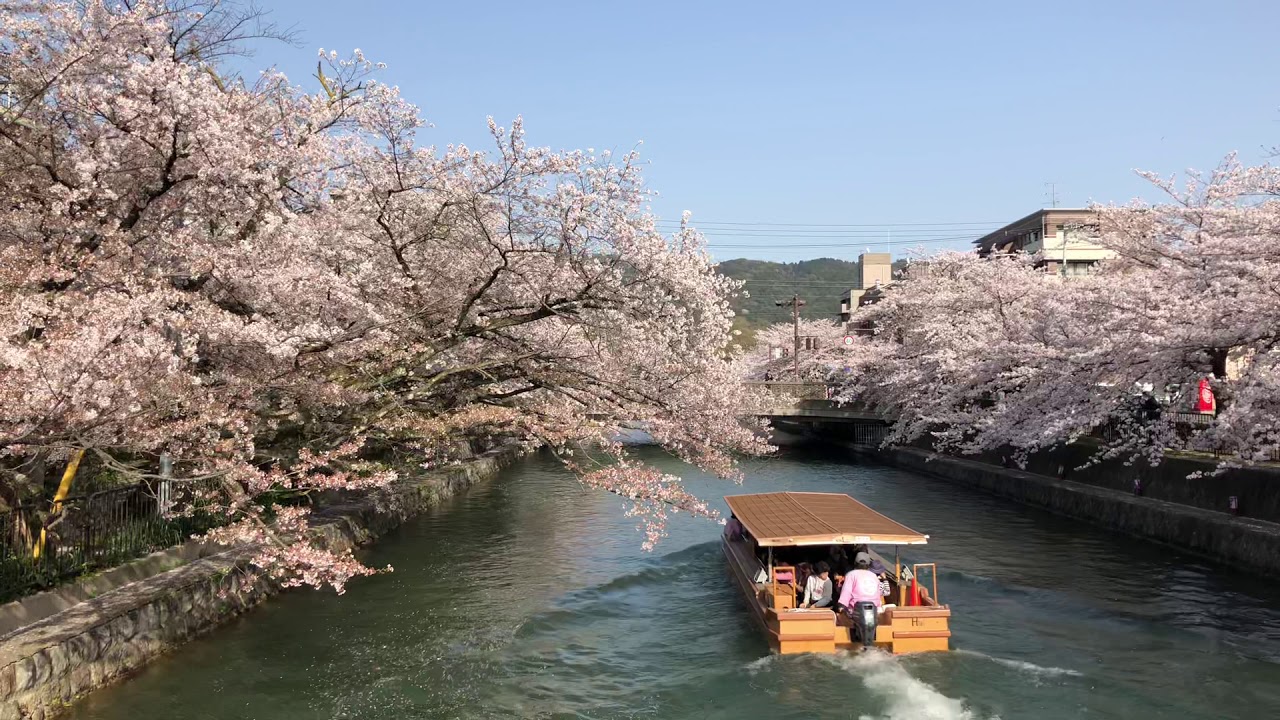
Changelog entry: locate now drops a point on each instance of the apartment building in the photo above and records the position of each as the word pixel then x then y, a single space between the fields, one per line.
pixel 1067 237
pixel 874 270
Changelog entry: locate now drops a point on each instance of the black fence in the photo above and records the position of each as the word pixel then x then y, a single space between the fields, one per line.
pixel 867 435
pixel 45 545
pixel 1186 425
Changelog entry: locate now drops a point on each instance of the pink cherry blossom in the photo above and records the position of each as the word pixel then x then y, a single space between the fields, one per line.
pixel 287 290
pixel 985 354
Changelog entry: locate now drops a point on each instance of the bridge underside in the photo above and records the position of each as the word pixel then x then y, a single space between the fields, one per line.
pixel 824 410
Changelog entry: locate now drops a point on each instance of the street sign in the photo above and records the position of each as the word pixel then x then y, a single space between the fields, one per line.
pixel 848 341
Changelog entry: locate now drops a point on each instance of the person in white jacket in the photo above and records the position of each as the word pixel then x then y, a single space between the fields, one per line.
pixel 818 589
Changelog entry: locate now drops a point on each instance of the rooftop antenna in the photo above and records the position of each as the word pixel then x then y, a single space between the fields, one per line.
pixel 1052 194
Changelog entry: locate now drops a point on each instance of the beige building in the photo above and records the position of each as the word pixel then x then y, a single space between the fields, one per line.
pixel 874 270
pixel 1064 235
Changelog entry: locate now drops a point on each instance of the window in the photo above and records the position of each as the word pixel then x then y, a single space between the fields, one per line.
pixel 1076 269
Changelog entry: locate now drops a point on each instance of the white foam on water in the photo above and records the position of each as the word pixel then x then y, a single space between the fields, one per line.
pixel 905 697
pixel 1024 666
pixel 763 663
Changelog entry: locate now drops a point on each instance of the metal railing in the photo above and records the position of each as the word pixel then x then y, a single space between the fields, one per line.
pixel 1186 422
pixel 868 435
pixel 1185 425
pixel 794 390
pixel 44 545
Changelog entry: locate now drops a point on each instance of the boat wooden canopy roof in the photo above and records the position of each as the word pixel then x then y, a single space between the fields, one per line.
pixel 810 518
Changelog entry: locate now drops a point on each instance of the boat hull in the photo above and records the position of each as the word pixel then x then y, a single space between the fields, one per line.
pixel 789 630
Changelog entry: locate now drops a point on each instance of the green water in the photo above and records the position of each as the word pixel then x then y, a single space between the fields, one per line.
pixel 529 597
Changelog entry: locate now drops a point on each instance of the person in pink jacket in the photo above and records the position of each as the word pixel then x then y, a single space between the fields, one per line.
pixel 861 585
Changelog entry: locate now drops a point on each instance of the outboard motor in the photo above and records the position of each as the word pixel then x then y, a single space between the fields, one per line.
pixel 864 620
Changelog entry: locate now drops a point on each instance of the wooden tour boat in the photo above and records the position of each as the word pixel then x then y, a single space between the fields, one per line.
pixel 801 525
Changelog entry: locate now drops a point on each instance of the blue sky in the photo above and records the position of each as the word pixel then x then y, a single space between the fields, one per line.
pixel 925 120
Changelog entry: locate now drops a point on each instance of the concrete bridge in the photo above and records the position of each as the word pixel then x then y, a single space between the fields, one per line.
pixel 810 401
pixel 804 409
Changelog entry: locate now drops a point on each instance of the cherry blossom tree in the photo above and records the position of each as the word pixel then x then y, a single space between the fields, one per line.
pixel 981 354
pixel 1196 281
pixel 286 291
pixel 822 351
pixel 961 346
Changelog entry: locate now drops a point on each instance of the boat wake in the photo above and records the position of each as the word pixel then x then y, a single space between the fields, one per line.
pixel 683 564
pixel 764 663
pixel 1024 666
pixel 627 594
pixel 904 697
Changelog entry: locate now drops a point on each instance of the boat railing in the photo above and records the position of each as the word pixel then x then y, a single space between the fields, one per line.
pixel 933 572
pixel 783 589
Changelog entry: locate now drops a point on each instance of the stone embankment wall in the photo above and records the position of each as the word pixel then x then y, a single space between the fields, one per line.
pixel 80 638
pixel 1242 542
pixel 1257 489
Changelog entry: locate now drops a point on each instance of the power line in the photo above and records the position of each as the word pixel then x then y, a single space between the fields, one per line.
pixel 832 235
pixel 863 242
pixel 996 223
pixel 871 237
pixel 868 230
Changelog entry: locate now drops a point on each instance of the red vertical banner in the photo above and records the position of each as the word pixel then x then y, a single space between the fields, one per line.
pixel 1204 399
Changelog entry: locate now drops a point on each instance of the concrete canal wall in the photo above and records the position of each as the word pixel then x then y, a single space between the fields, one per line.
pixel 1180 479
pixel 1243 542
pixel 62 644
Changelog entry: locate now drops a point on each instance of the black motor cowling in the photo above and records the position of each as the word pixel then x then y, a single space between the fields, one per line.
pixel 864 622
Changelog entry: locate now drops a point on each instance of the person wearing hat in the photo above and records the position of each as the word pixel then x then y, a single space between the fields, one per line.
pixel 873 563
pixel 861 585
pixel 877 568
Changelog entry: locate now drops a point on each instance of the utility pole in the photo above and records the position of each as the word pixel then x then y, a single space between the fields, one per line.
pixel 796 303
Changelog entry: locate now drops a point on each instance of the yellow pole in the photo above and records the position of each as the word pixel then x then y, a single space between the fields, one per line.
pixel 64 487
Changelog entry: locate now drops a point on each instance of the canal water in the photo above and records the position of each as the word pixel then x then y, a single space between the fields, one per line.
pixel 529 597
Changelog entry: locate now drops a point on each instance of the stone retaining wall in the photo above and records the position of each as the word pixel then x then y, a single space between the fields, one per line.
pixel 49 663
pixel 1241 542
pixel 1179 479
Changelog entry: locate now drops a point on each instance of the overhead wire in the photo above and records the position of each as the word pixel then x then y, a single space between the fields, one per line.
pixel 706 223
pixel 737 235
pixel 863 242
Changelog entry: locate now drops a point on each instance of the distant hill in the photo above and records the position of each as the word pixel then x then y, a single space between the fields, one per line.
pixel 820 283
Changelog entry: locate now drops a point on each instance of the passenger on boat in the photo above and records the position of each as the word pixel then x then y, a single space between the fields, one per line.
pixel 818 590
pixel 873 563
pixel 733 529
pixel 837 559
pixel 861 585
pixel 803 571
